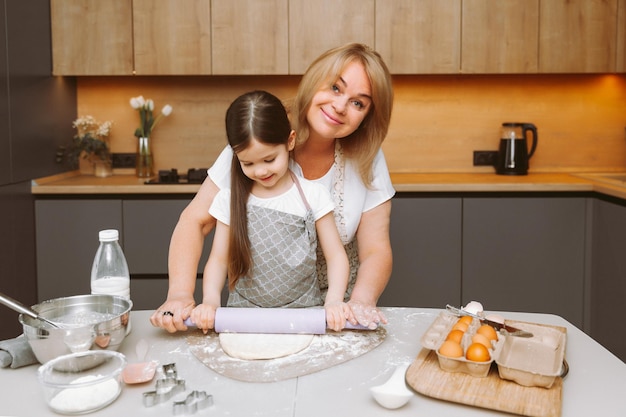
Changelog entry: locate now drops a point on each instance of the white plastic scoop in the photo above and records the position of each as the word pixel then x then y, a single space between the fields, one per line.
pixel 393 393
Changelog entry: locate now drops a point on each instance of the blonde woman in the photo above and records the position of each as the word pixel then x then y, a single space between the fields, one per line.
pixel 341 115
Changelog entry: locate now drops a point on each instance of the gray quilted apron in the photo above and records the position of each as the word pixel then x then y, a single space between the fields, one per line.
pixel 283 270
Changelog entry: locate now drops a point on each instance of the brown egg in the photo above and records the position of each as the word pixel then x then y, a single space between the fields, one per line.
pixel 488 331
pixel 451 349
pixel 455 336
pixel 465 319
pixel 482 339
pixel 460 326
pixel 477 352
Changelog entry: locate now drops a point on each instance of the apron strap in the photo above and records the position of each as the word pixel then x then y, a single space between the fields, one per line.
pixel 295 180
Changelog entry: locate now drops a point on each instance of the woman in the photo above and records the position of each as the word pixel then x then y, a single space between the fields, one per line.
pixel 341 115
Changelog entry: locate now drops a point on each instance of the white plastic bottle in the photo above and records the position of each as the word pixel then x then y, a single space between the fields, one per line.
pixel 109 273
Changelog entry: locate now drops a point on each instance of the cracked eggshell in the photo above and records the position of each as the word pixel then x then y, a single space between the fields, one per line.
pixel 495 318
pixel 474 307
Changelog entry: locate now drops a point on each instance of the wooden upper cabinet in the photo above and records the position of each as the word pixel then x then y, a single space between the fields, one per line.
pixel 621 36
pixel 250 37
pixel 172 37
pixel 266 37
pixel 500 37
pixel 577 36
pixel 419 37
pixel 316 26
pixel 92 37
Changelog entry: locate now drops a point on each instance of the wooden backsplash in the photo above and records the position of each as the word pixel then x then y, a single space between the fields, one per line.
pixel 437 122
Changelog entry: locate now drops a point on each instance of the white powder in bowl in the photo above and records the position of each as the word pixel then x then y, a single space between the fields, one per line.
pixel 87 398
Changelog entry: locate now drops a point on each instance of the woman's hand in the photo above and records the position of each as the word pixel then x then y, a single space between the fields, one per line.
pixel 367 315
pixel 172 313
pixel 336 315
pixel 203 317
pixel 376 262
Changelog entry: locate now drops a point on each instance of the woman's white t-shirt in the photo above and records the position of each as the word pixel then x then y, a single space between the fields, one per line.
pixel 357 197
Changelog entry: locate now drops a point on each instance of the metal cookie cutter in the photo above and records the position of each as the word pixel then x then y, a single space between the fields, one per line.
pixel 196 400
pixel 166 387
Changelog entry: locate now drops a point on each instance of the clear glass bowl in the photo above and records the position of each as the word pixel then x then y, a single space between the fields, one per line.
pixel 82 382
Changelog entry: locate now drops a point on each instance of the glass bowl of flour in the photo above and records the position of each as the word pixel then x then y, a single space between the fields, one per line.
pixel 82 382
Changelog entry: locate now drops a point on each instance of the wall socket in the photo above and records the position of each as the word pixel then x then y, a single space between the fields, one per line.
pixel 485 158
pixel 123 160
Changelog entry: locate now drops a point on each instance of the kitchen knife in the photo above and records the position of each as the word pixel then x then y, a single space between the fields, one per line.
pixel 272 320
pixel 502 327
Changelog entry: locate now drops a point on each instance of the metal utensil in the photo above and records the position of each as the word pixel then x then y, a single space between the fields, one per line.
pixel 21 308
pixel 503 328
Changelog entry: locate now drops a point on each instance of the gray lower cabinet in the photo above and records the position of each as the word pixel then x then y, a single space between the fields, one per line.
pixel 67 240
pixel 555 254
pixel 511 252
pixel 148 227
pixel 526 254
pixel 426 243
pixel 608 266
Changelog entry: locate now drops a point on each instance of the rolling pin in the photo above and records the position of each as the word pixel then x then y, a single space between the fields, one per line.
pixel 272 320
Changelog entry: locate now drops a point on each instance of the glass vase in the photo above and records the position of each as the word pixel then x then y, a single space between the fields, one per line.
pixel 102 168
pixel 85 163
pixel 145 163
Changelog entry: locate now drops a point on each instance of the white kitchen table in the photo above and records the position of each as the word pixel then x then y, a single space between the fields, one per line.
pixel 596 383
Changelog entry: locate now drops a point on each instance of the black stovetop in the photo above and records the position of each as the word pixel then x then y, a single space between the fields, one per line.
pixel 193 176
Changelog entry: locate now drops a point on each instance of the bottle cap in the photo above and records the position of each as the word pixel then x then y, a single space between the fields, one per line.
pixel 108 235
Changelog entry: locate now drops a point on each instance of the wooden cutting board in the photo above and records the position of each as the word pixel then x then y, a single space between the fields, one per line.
pixel 426 377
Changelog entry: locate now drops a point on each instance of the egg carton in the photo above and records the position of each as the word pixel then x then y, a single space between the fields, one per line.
pixel 436 334
pixel 536 361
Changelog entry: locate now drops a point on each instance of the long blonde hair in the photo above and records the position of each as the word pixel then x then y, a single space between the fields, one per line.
pixel 363 144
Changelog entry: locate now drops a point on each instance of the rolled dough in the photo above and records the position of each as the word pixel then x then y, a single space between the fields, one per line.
pixel 253 346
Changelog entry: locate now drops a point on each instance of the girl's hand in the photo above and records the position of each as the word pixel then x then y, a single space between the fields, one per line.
pixel 336 315
pixel 203 316
pixel 367 315
pixel 172 313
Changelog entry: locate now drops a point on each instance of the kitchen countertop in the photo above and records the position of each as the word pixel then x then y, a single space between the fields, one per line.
pixel 74 183
pixel 595 384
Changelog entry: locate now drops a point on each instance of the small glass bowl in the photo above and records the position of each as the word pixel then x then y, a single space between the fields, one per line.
pixel 82 382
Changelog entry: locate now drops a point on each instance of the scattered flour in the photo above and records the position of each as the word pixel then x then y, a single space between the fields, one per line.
pixel 324 351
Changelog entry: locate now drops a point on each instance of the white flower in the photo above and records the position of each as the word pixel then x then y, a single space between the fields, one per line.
pixel 137 102
pixel 88 125
pixel 147 122
pixel 104 129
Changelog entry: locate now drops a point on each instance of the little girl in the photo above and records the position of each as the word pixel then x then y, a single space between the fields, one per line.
pixel 270 222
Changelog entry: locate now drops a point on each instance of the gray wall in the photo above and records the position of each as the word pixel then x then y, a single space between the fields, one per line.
pixel 36 114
